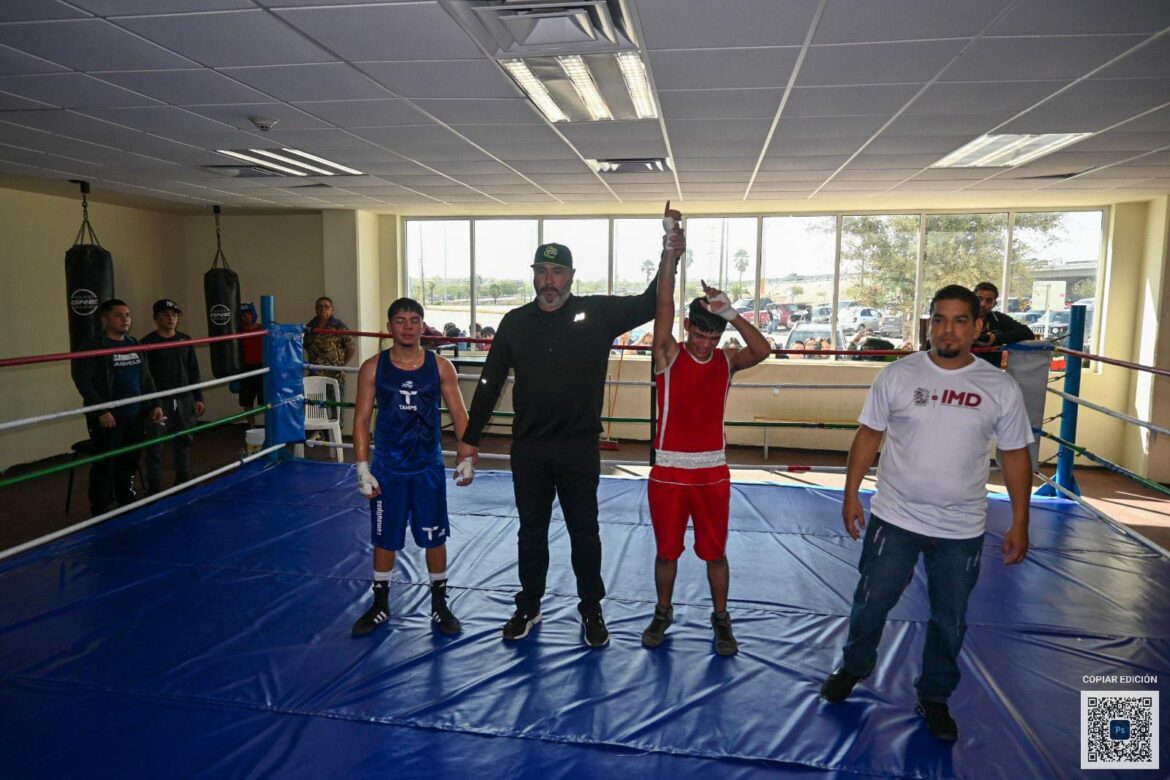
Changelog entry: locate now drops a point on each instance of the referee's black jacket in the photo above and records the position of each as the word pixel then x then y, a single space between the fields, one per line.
pixel 559 359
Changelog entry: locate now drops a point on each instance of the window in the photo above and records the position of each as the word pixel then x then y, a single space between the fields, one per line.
pixel 438 264
pixel 637 250
pixel 504 249
pixel 879 265
pixel 797 272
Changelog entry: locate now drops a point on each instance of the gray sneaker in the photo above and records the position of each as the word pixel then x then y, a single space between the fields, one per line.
pixel 656 631
pixel 725 643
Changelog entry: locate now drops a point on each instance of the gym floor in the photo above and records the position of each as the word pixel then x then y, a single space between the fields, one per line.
pixel 37 507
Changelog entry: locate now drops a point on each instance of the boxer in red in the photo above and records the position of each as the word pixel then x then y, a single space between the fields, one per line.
pixel 690 479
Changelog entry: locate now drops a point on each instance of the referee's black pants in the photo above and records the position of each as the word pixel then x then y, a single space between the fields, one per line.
pixel 569 470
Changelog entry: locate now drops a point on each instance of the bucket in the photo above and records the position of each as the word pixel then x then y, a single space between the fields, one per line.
pixel 253 440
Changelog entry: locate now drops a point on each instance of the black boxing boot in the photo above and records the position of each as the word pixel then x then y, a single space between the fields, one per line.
pixel 378 613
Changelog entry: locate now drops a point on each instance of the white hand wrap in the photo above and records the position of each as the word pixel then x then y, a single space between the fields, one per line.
pixel 367 482
pixel 725 311
pixel 669 225
pixel 464 471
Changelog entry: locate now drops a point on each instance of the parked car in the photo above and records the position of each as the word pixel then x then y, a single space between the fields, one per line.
pixel 892 325
pixel 813 330
pixel 853 318
pixel 746 310
pixel 822 313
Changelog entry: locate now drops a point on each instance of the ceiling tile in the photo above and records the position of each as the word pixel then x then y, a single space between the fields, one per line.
pixel 848 101
pixel 723 68
pixel 443 79
pixel 72 90
pixel 1000 59
pixel 157 119
pixel 783 146
pixel 965 125
pixel 720 103
pixel 904 20
pixel 829 127
pixel 1083 17
pixel 414 31
pixel 128 7
pixel 502 111
pixel 230 38
pixel 10 102
pixel 976 97
pixel 13 62
pixel 297 83
pixel 187 87
pixel 726 23
pixel 238 115
pixel 89 44
pixel 37 10
pixel 366 113
pixel 1147 62
pixel 1123 142
pixel 912 62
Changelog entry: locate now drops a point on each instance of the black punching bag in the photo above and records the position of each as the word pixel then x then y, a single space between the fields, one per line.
pixel 89 279
pixel 221 292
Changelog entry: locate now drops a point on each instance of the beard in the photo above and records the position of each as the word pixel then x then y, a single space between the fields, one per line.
pixel 948 352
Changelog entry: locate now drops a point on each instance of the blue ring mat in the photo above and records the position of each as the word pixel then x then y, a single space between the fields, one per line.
pixel 208 636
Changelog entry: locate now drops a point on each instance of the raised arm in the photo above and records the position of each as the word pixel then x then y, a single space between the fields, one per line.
pixel 674 245
pixel 757 347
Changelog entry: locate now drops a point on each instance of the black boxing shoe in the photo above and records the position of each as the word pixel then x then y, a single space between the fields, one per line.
pixel 377 614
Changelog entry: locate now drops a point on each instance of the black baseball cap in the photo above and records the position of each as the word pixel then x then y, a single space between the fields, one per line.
pixel 165 304
pixel 556 254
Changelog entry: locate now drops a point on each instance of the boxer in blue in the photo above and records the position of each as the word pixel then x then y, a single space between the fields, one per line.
pixel 407 382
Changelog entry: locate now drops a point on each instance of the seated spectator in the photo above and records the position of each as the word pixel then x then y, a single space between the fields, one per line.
pixel 797 345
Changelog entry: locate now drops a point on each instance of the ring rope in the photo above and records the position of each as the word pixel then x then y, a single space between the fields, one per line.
pixel 1125 529
pixel 1114 361
pixel 139 503
pixel 127 401
pixel 1079 450
pixel 92 353
pixel 131 447
pixel 1109 412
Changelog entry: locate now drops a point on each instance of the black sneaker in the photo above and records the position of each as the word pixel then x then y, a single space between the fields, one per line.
pixel 441 614
pixel 656 631
pixel 938 720
pixel 596 634
pixel 725 643
pixel 838 685
pixel 520 624
pixel 377 614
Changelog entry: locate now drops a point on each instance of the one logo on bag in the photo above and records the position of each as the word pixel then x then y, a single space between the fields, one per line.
pixel 83 302
pixel 219 314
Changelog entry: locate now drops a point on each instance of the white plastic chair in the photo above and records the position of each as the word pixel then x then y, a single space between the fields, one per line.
pixel 322 418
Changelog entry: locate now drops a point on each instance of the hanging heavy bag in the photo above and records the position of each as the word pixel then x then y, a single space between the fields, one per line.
pixel 89 279
pixel 221 292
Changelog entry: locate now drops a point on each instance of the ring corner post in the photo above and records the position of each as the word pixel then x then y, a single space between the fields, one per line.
pixel 284 389
pixel 1068 411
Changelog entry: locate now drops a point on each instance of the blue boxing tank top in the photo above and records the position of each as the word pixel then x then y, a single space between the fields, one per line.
pixel 407 433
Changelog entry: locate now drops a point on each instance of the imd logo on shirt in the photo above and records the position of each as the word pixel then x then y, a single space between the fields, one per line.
pixel 969 399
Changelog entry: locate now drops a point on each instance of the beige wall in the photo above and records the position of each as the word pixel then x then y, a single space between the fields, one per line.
pixel 147 247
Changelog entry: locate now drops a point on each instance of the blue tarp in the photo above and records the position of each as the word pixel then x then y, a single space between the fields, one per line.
pixel 209 636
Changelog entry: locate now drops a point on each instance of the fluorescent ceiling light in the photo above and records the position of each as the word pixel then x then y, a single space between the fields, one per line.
pixel 323 161
pixel 582 79
pixel 632 165
pixel 535 90
pixel 1007 151
pixel 289 161
pixel 634 73
pixel 261 162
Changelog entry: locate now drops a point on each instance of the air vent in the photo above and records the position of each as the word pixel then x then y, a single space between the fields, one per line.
pixel 631 165
pixel 527 28
pixel 242 171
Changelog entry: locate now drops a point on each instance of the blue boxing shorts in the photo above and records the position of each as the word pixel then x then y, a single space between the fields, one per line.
pixel 417 499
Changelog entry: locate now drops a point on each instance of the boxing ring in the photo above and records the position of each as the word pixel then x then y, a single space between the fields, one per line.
pixel 207 634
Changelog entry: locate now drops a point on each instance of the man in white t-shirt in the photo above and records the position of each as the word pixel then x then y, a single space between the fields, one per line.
pixel 939 411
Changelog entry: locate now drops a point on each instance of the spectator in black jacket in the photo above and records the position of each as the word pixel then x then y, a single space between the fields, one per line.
pixel 171 368
pixel 998 328
pixel 558 347
pixel 107 378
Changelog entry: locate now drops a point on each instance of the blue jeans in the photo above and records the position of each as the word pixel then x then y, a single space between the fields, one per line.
pixel 887 565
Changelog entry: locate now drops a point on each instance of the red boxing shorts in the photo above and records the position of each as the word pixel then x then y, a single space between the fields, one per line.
pixel 703 495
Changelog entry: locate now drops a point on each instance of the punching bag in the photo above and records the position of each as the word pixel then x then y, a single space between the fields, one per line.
pixel 89 279
pixel 221 293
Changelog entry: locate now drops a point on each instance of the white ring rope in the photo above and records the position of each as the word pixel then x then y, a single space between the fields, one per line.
pixel 1109 412
pixel 1125 529
pixel 139 503
pixel 126 401
pixel 340 369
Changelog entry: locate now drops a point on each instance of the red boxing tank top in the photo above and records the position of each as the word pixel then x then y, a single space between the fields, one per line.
pixel 691 399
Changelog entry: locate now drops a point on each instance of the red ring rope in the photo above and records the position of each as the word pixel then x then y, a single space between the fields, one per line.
pixel 29 359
